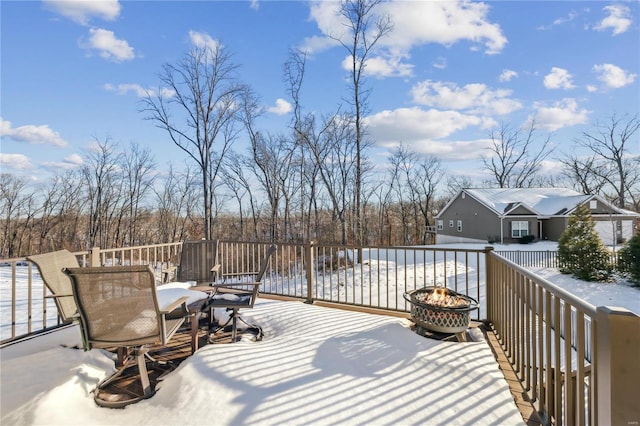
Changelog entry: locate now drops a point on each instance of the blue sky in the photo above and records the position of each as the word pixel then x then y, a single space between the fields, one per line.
pixel 74 71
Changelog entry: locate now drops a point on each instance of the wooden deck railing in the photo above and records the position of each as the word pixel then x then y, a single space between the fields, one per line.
pixel 577 362
pixel 331 273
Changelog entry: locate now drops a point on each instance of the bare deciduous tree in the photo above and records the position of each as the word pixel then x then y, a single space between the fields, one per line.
pixel 612 143
pixel 456 183
pixel 363 35
pixel 584 174
pixel 102 182
pixel 61 201
pixel 306 137
pixel 137 167
pixel 514 160
pixel 175 201
pixel 414 180
pixel 334 152
pixel 14 203
pixel 205 90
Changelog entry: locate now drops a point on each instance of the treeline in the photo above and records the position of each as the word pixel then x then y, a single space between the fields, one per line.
pixel 119 198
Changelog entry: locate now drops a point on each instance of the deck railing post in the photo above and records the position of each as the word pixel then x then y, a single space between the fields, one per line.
pixel 618 375
pixel 489 287
pixel 94 256
pixel 308 261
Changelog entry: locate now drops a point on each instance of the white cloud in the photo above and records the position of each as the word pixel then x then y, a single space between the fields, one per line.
pixel 448 150
pixel 440 63
pixel 81 12
pixel 424 132
pixel 563 20
pixel 618 19
pixel 381 67
pixel 558 78
pixel 507 75
pixel 254 4
pixel 476 98
pixel 414 24
pixel 613 76
pixel 314 44
pixel 15 161
pixel 417 23
pixel 411 124
pixel 31 134
pixel 564 113
pixel 71 162
pixel 136 89
pixel 123 89
pixel 108 46
pixel 203 40
pixel 281 107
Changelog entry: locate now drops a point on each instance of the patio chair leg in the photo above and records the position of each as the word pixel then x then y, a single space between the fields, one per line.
pixel 106 400
pixel 234 326
pixel 142 369
pixel 233 319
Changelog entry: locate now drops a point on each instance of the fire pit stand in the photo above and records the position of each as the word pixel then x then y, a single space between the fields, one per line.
pixel 441 310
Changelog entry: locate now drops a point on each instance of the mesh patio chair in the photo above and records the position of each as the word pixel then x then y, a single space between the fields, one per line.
pixel 50 266
pixel 118 307
pixel 234 296
pixel 199 261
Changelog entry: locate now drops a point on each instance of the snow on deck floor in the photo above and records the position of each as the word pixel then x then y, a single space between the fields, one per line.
pixel 315 366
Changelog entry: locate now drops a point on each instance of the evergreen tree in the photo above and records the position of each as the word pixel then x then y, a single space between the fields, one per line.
pixel 629 259
pixel 580 251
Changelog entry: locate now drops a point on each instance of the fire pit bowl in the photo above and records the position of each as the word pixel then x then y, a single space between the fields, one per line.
pixel 440 309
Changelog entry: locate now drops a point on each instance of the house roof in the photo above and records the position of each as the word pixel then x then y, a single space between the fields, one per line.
pixel 542 201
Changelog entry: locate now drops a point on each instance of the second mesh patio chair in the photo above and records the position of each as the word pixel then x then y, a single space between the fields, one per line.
pixel 199 261
pixel 50 266
pixel 234 296
pixel 118 307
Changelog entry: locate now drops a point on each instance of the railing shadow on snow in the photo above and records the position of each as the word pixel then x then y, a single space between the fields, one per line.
pixel 566 352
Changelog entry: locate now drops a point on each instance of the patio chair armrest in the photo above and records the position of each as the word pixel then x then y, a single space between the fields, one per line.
pixel 216 268
pixel 55 296
pixel 236 288
pixel 173 305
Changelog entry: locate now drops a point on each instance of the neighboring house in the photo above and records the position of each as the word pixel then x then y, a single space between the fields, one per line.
pixel 504 215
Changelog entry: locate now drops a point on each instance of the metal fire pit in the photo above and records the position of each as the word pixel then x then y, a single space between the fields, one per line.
pixel 441 318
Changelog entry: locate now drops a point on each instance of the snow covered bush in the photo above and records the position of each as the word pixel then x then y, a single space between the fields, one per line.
pixel 629 259
pixel 581 253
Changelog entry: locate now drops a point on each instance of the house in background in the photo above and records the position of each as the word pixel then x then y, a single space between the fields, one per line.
pixel 505 215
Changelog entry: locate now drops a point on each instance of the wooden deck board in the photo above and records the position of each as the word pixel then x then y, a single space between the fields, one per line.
pixel 525 406
pixel 179 349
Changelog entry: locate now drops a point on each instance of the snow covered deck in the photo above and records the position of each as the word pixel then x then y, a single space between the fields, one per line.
pixel 315 365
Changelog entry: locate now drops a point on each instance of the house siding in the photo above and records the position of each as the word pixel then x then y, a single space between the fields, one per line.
pixel 599 209
pixel 533 227
pixel 478 222
pixel 554 227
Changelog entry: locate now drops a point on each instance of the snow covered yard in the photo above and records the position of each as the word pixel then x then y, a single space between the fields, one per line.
pixel 315 365
pixel 618 293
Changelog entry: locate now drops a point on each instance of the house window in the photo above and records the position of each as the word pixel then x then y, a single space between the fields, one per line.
pixel 439 225
pixel 451 224
pixel 459 226
pixel 519 228
pixel 593 204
